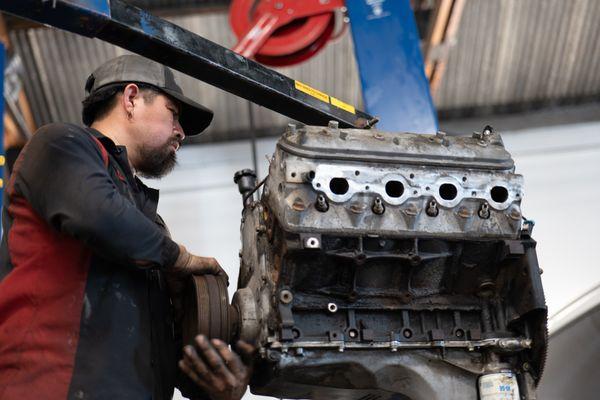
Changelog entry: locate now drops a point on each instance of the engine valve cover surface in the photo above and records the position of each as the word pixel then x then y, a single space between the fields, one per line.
pixel 382 265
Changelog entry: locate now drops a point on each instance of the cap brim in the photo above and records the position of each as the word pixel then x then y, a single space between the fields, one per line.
pixel 194 118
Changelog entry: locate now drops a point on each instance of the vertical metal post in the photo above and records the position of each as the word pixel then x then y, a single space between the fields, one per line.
pixel 386 43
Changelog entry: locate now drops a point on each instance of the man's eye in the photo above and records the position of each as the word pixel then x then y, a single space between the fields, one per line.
pixel 175 113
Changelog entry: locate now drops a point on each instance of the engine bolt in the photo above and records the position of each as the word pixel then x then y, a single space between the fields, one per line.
pixel 332 307
pixel 432 209
pixel 484 211
pixel 378 207
pixel 321 203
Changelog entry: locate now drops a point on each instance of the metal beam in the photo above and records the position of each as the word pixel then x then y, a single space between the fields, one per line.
pixel 441 37
pixel 136 30
pixel 386 43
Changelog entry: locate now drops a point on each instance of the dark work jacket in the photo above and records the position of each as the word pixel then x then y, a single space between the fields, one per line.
pixel 84 310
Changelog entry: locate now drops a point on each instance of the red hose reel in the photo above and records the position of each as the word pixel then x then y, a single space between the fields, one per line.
pixel 283 32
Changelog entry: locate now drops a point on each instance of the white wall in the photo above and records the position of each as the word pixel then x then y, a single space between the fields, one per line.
pixel 561 166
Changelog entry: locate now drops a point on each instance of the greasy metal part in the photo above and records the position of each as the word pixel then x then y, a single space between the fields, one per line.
pixel 138 31
pixel 378 207
pixel 512 344
pixel 246 181
pixel 417 177
pixel 207 310
pixel 366 253
pixel 322 204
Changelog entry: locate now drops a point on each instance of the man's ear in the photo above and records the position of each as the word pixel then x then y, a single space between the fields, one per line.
pixel 130 95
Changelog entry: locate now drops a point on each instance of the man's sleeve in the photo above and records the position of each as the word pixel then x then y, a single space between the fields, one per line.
pixel 64 179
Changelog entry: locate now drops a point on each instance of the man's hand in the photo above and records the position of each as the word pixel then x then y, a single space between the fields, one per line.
pixel 190 264
pixel 218 371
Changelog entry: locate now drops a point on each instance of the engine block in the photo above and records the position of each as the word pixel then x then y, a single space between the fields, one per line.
pixel 383 265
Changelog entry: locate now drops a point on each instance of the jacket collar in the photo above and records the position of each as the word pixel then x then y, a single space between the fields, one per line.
pixel 150 203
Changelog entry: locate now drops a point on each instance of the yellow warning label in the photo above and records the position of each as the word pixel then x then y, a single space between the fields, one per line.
pixel 342 105
pixel 2 161
pixel 312 91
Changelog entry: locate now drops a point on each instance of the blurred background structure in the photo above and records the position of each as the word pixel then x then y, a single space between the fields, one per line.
pixel 528 68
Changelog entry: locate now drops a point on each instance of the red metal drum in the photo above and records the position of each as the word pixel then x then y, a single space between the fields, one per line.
pixel 282 32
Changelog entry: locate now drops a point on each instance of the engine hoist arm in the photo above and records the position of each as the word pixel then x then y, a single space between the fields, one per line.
pixel 138 31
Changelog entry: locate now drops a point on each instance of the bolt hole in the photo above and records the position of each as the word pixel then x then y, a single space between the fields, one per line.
pixel 293 174
pixel 332 307
pixel 318 185
pixel 311 175
pixel 295 333
pixel 448 191
pixel 366 187
pixel 473 193
pixel 357 173
pixel 464 178
pixel 427 188
pixel 459 333
pixel 339 185
pixel 407 333
pixel 394 189
pixel 412 176
pixel 499 194
pixel 415 192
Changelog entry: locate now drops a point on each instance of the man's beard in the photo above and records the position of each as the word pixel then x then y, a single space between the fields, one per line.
pixel 156 163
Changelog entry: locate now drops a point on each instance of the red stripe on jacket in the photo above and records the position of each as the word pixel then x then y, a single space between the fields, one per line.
pixel 41 302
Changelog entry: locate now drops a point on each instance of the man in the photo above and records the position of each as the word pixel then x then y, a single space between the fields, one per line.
pixel 85 261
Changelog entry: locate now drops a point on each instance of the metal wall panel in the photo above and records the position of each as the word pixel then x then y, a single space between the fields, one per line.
pixel 512 54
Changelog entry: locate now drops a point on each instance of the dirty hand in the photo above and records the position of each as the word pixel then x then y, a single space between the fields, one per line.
pixel 217 370
pixel 190 264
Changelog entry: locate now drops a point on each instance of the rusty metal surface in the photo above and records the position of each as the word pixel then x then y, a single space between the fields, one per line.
pixel 428 185
pixel 345 299
pixel 207 310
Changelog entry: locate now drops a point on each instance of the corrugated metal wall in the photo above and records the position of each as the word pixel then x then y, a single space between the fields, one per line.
pixel 513 52
pixel 509 55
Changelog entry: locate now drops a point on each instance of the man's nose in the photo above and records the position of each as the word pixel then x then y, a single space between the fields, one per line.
pixel 179 131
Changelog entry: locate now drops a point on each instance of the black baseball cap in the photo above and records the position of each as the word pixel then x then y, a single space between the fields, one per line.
pixel 131 68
